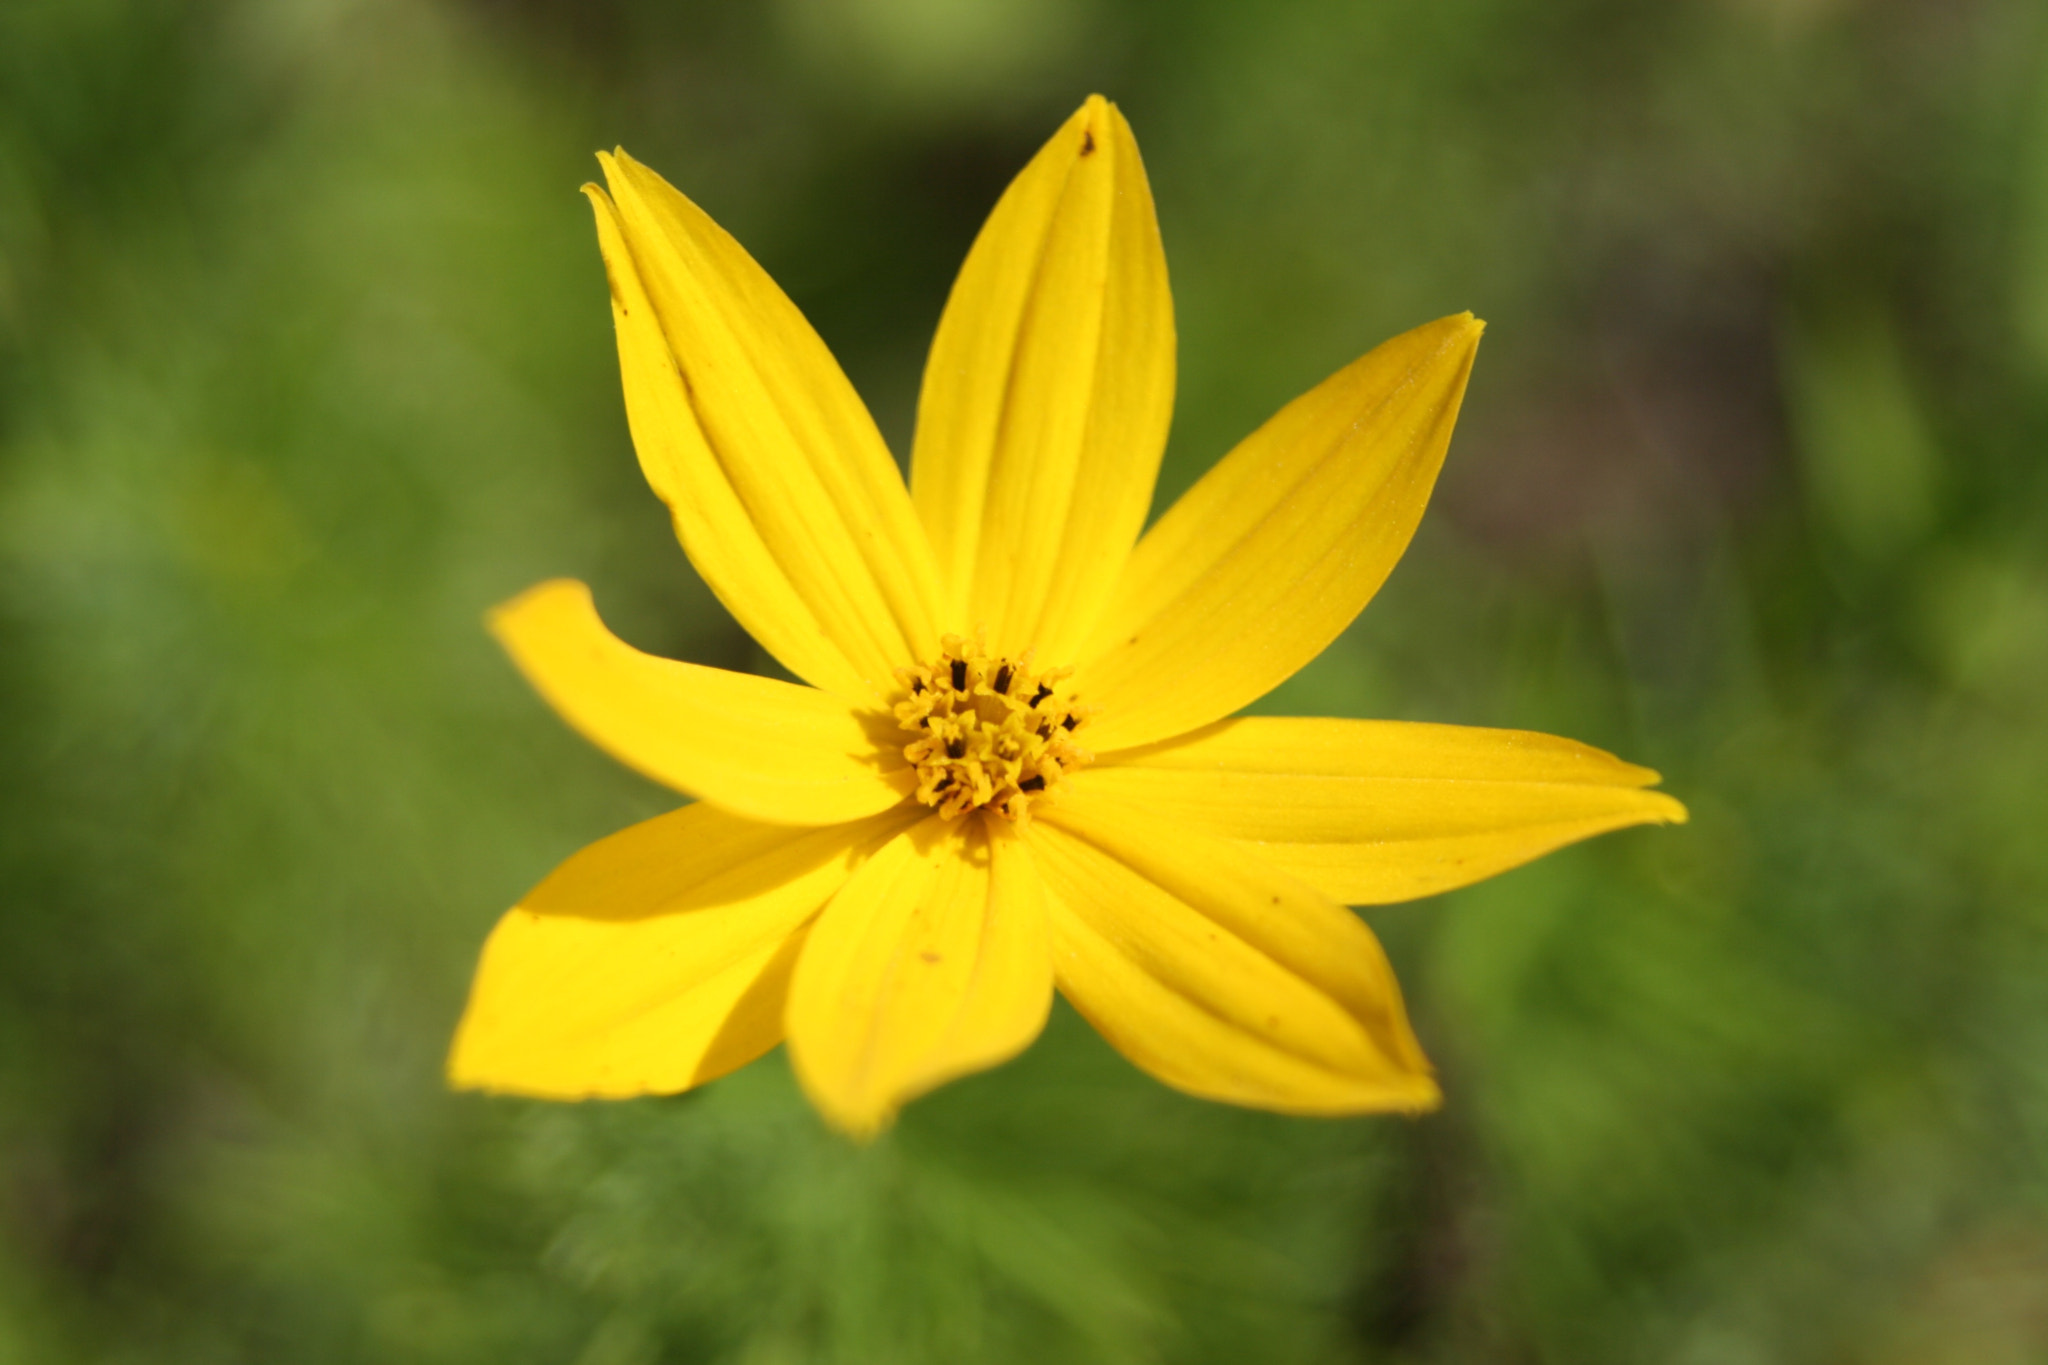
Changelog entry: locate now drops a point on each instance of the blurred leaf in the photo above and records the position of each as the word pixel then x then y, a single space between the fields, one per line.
pixel 1870 462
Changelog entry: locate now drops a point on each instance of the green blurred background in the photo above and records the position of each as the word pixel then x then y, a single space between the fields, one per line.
pixel 305 360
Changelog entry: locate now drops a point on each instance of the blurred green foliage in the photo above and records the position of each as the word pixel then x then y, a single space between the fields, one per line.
pixel 305 361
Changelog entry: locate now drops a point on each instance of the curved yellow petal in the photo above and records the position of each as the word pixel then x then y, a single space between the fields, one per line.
pixel 930 963
pixel 1219 975
pixel 771 750
pixel 782 491
pixel 1264 561
pixel 1371 811
pixel 1048 392
pixel 653 960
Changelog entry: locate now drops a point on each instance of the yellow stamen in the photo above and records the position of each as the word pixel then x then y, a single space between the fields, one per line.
pixel 988 732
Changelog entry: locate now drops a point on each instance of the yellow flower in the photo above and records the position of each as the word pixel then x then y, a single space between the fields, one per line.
pixel 1013 768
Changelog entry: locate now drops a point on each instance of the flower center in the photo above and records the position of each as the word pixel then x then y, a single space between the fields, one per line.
pixel 988 733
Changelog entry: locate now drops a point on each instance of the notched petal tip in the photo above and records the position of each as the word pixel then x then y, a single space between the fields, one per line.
pixel 1656 808
pixel 600 204
pixel 1668 810
pixel 619 163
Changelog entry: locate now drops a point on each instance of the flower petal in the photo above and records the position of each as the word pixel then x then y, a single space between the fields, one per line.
pixel 1048 392
pixel 1264 561
pixel 783 493
pixel 771 750
pixel 1372 811
pixel 653 960
pixel 1219 975
pixel 930 963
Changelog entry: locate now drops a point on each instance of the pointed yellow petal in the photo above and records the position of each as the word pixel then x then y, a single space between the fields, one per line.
pixel 720 536
pixel 783 494
pixel 1048 392
pixel 929 964
pixel 1371 811
pixel 653 960
pixel 1263 562
pixel 1221 976
pixel 770 750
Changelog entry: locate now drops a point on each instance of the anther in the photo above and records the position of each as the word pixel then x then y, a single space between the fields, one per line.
pixel 980 748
